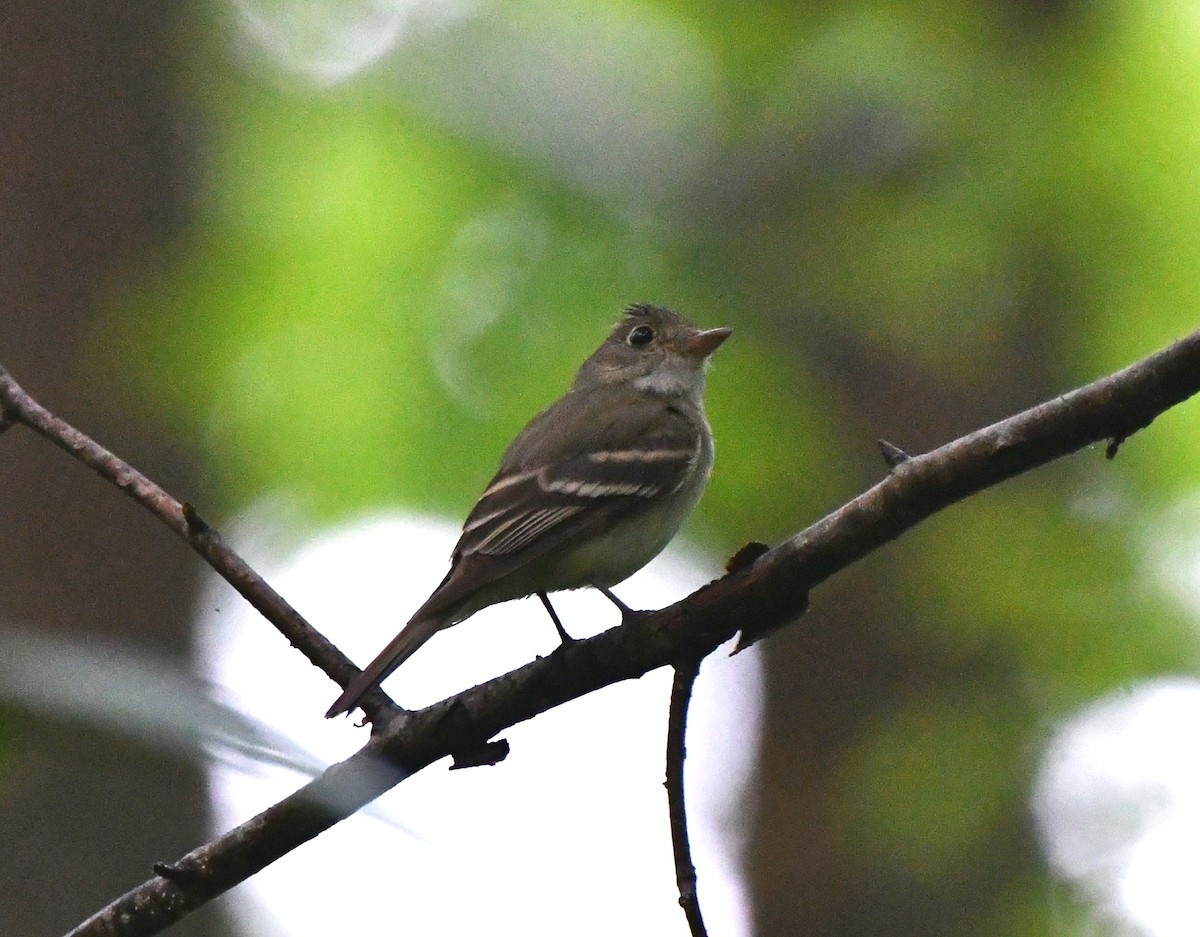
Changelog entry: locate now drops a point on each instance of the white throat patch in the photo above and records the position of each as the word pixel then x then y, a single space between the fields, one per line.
pixel 674 379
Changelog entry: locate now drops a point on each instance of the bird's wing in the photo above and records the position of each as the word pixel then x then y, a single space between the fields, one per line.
pixel 542 507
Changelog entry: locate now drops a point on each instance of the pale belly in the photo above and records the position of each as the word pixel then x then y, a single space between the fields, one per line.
pixel 602 561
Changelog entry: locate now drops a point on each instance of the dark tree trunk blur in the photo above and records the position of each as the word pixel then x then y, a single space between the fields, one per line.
pixel 93 164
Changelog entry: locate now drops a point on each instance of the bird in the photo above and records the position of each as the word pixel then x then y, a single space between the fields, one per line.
pixel 591 490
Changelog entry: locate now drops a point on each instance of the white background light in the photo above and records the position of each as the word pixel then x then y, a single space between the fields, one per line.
pixel 569 834
pixel 1117 805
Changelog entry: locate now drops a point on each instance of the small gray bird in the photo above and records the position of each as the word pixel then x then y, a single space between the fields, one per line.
pixel 589 492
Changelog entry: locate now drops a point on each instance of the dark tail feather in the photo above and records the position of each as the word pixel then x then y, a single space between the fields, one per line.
pixel 400 649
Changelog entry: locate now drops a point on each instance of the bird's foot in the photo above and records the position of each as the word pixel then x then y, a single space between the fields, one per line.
pixel 627 614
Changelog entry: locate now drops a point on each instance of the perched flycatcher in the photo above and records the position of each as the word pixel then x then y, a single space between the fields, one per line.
pixel 589 492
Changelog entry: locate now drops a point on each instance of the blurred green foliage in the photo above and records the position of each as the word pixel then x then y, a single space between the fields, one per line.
pixel 917 217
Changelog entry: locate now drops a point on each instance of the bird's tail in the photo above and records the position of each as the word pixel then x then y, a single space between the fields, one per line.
pixel 420 629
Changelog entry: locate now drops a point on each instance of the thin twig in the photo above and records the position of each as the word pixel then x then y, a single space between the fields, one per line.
pixel 685 870
pixel 17 406
pixel 756 598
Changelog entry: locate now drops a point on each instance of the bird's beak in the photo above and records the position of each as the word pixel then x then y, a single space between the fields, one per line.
pixel 703 344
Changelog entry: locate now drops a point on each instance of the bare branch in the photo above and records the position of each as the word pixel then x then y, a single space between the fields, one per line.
pixel 757 597
pixel 17 406
pixel 685 870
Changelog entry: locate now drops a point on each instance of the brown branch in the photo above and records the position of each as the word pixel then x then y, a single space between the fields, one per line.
pixel 755 598
pixel 17 406
pixel 685 870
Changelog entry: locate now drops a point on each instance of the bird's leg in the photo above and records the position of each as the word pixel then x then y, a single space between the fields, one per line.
pixel 562 632
pixel 626 612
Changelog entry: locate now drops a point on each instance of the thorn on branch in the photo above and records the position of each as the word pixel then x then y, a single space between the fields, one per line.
pixel 486 754
pixel 893 455
pixel 176 874
pixel 195 523
pixel 745 557
pixel 1118 439
pixel 474 750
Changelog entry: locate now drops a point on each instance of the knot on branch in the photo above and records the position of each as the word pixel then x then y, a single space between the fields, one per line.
pixel 485 754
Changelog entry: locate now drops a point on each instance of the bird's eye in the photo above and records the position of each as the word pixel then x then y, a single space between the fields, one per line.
pixel 641 336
